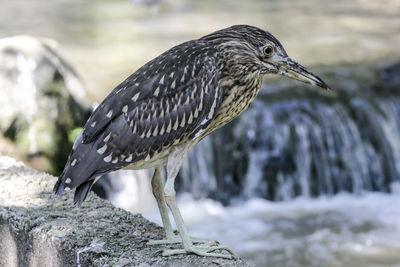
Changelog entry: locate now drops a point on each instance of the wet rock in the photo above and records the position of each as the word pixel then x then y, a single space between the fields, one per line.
pixel 39 229
pixel 390 73
pixel 43 100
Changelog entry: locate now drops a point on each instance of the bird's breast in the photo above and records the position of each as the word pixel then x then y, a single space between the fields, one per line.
pixel 237 98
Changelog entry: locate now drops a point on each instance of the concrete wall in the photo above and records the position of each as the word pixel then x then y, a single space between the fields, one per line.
pixel 40 229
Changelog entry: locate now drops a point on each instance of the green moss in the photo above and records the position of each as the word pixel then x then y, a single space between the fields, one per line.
pixel 74 134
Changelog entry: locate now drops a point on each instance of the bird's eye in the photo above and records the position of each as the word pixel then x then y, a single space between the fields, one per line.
pixel 268 50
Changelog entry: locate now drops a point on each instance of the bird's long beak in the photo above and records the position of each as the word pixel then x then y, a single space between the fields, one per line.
pixel 294 70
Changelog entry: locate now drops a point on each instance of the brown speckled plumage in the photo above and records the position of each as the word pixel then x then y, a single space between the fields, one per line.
pixel 180 96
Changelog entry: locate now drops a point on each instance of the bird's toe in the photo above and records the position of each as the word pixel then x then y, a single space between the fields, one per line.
pixel 206 250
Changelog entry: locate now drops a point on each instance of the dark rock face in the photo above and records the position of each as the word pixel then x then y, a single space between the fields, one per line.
pixel 391 73
pixel 42 101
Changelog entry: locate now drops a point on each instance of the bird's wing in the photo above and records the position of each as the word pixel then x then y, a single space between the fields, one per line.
pixel 171 73
pixel 166 101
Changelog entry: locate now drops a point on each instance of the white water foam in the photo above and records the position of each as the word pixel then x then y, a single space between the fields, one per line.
pixel 343 230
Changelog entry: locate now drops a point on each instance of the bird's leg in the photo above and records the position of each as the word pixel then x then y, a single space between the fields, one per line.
pixel 158 192
pixel 175 160
pixel 205 249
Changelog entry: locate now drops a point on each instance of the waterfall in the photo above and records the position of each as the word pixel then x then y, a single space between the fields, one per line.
pixel 298 142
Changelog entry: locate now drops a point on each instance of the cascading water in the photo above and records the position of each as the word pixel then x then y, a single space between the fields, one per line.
pixel 298 142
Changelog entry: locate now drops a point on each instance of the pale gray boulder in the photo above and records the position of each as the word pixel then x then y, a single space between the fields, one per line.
pixel 42 100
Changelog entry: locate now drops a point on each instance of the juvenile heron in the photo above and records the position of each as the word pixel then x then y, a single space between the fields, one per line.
pixel 157 114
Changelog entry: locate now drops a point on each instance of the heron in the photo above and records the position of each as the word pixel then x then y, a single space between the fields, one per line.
pixel 154 117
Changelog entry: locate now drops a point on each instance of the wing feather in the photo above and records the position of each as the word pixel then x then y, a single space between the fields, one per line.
pixel 158 106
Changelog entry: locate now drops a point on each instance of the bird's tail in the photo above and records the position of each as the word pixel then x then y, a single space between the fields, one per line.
pixel 84 165
pixel 59 186
pixel 79 171
pixel 81 191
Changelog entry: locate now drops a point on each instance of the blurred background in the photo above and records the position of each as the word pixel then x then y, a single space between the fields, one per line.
pixel 302 178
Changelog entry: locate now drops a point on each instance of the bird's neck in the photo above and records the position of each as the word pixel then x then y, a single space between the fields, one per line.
pixel 238 95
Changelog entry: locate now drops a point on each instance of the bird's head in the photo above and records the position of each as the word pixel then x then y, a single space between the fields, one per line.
pixel 260 51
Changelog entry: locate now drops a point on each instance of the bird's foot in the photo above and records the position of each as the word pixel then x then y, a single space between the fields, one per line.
pixel 199 246
pixel 206 250
pixel 174 238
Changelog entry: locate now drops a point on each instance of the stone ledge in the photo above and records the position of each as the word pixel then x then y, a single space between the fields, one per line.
pixel 40 229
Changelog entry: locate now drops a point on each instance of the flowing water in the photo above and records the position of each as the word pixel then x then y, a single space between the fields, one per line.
pixel 302 145
pixel 344 230
pixel 341 230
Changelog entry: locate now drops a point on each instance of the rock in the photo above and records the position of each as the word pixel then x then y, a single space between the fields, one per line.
pixel 40 229
pixel 390 73
pixel 387 81
pixel 43 100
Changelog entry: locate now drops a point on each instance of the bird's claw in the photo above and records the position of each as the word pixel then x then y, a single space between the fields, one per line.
pixel 158 252
pixel 199 246
pixel 206 250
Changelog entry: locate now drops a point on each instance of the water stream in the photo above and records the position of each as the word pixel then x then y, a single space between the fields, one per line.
pixel 297 142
